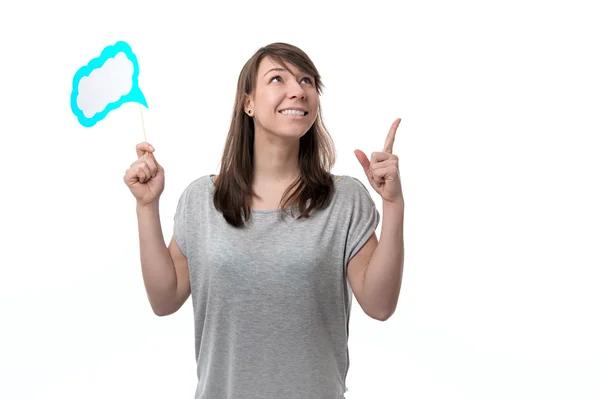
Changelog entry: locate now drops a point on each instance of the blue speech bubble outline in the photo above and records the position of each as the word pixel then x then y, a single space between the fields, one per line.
pixel 135 95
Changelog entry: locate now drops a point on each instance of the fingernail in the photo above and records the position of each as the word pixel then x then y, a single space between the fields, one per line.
pixel 151 148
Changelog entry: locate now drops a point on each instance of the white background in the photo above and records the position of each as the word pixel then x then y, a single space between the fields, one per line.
pixel 498 159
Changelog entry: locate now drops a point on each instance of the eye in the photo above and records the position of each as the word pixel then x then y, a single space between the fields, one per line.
pixel 309 80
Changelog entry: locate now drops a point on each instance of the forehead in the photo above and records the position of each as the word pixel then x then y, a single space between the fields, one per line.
pixel 267 64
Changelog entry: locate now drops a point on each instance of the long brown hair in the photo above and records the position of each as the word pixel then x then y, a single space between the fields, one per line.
pixel 316 157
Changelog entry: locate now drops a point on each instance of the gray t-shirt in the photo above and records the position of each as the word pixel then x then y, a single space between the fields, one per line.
pixel 272 301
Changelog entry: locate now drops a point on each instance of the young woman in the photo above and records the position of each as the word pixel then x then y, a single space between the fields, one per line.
pixel 272 294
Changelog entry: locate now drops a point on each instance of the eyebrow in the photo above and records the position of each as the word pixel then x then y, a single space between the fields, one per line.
pixel 279 70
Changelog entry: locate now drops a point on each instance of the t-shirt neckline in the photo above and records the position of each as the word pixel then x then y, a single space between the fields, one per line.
pixel 212 183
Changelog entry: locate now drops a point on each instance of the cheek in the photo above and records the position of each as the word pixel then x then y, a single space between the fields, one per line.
pixel 268 100
pixel 314 100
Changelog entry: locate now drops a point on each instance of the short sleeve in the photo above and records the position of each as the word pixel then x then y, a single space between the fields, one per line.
pixel 365 219
pixel 179 226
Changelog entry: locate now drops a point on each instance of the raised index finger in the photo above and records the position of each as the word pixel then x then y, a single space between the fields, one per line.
pixel 389 140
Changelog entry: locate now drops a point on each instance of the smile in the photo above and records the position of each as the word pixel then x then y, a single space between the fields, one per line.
pixel 293 112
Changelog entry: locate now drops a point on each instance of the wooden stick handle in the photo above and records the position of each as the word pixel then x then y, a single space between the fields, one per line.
pixel 143 125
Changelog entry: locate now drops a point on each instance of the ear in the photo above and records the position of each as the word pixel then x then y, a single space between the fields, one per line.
pixel 248 103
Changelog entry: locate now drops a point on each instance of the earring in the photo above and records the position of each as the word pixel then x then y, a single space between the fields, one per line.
pixel 249 112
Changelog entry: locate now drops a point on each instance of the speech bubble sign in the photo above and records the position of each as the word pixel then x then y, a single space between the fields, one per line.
pixel 106 83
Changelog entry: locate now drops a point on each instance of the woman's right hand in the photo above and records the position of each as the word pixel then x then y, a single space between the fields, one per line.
pixel 145 177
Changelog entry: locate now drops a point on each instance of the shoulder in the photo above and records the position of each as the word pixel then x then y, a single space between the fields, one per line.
pixel 351 184
pixel 351 193
pixel 196 186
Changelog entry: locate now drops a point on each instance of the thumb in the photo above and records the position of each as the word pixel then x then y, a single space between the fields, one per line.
pixel 363 159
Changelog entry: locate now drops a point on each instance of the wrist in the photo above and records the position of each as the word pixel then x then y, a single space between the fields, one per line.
pixel 146 208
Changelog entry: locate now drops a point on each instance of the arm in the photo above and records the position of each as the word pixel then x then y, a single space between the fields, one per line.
pixel 384 261
pixel 165 270
pixel 383 274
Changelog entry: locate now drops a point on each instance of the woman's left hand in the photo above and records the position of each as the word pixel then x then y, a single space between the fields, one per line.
pixel 382 171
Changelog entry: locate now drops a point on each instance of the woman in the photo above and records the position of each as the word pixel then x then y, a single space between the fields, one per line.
pixel 272 295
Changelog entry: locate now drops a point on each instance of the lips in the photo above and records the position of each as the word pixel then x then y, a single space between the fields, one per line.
pixel 294 112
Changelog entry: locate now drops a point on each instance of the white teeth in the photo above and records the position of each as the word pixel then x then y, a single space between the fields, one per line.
pixel 292 112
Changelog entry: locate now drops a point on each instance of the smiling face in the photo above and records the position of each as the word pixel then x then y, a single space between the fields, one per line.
pixel 285 101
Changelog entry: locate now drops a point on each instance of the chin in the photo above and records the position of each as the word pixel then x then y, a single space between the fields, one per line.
pixel 297 132
pixel 291 131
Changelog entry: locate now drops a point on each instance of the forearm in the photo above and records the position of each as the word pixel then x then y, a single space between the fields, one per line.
pixel 383 276
pixel 158 271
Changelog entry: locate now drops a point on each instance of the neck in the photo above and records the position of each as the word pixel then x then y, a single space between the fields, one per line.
pixel 275 159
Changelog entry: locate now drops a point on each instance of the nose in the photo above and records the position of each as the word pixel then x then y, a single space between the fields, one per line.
pixel 296 90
